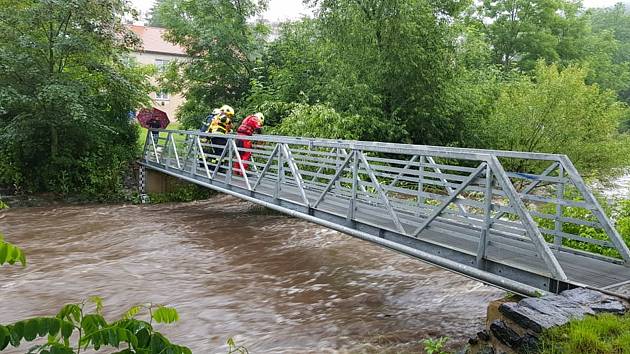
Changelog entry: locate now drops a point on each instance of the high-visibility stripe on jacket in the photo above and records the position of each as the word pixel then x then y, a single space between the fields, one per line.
pixel 221 124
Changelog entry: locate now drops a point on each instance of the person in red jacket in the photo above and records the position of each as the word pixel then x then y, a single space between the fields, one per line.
pixel 251 125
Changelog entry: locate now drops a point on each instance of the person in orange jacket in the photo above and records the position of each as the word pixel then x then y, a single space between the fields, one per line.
pixel 251 125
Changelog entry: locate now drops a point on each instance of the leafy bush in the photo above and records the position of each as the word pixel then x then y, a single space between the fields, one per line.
pixel 557 112
pixel 324 122
pixel 435 346
pixel 91 330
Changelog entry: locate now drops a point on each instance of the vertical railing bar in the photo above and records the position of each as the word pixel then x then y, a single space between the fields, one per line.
pixel 203 157
pixel 361 187
pixel 483 239
pixel 228 177
pixel 280 172
pixel 420 185
pixel 240 163
pixel 557 239
pixel 355 182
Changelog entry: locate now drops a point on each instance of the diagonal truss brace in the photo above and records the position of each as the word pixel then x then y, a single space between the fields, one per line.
pixel 381 193
pixel 267 166
pixel 531 228
pixel 436 212
pixel 334 179
pixel 296 173
pixel 577 180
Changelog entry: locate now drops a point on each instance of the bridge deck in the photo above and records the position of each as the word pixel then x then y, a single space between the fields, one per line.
pixel 502 246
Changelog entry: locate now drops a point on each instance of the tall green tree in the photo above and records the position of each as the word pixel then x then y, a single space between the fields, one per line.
pixel 224 48
pixel 524 31
pixel 615 22
pixel 65 92
pixel 153 17
pixel 390 62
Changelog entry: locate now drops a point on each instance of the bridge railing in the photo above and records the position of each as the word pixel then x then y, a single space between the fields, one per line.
pixel 497 205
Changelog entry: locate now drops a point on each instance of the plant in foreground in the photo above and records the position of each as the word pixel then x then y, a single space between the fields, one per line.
pixel 435 346
pixel 89 329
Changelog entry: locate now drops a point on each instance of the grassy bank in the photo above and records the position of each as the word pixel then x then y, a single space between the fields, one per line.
pixel 603 334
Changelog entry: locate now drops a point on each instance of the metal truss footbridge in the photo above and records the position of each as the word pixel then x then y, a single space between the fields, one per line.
pixel 525 222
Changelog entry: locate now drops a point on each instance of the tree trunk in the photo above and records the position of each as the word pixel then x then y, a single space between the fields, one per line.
pixel 54 141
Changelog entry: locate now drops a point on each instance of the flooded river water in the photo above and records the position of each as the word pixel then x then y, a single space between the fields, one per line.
pixel 275 284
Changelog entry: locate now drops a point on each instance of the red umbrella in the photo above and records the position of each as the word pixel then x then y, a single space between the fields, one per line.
pixel 150 118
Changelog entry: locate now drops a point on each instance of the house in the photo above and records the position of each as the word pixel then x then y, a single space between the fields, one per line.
pixel 157 51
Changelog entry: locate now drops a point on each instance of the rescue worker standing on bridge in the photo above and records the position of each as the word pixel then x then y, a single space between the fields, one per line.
pixel 221 124
pixel 251 125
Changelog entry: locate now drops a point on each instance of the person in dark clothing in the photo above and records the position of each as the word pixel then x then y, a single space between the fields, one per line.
pixel 155 124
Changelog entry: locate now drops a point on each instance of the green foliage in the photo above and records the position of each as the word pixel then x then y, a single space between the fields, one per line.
pixel 435 346
pixel 615 22
pixel 224 46
pixel 233 348
pixel 182 193
pixel 66 87
pixel 557 112
pixel 603 334
pixel 10 254
pixel 618 211
pixel 3 205
pixel 90 329
pixel 524 31
pixel 324 122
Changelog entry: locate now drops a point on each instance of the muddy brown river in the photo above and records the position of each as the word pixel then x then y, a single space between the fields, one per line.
pixel 275 284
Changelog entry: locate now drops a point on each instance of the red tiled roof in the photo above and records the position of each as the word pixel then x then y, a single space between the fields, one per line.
pixel 153 40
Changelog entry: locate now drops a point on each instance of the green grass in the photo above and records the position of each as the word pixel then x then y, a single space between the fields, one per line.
pixel 173 126
pixel 603 334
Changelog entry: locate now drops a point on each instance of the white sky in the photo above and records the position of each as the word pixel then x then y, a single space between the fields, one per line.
pixel 280 10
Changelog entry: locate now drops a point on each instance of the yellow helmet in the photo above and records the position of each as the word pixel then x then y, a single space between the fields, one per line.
pixel 227 110
pixel 261 117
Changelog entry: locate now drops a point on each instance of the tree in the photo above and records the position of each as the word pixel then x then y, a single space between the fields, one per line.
pixel 65 92
pixel 615 22
pixel 386 61
pixel 224 49
pixel 153 17
pixel 557 112
pixel 524 31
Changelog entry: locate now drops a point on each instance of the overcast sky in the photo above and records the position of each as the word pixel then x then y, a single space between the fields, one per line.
pixel 280 10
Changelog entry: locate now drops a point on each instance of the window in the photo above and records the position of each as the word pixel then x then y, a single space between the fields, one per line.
pixel 161 65
pixel 162 96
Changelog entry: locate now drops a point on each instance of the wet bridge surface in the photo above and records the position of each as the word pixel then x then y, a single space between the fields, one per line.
pixel 515 220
